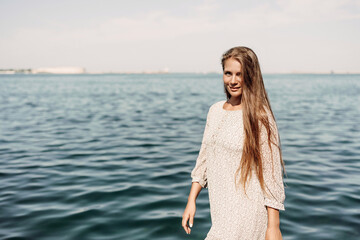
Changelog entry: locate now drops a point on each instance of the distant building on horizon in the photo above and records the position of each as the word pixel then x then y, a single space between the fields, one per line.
pixel 59 70
pixel 51 70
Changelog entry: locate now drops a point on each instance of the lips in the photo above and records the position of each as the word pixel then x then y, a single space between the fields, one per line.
pixel 235 88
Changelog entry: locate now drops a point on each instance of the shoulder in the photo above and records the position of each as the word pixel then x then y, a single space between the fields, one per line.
pixel 271 119
pixel 215 108
pixel 269 115
pixel 217 105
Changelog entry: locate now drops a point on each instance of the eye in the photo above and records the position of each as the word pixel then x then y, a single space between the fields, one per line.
pixel 227 73
pixel 238 74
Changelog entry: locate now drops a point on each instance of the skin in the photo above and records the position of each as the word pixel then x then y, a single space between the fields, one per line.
pixel 232 77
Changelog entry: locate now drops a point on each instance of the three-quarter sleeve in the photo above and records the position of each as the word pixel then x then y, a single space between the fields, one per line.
pixel 199 172
pixel 274 186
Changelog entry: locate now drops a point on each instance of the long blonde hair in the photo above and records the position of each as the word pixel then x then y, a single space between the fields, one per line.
pixel 254 102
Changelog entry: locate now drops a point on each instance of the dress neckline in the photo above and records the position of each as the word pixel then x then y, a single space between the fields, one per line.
pixel 222 107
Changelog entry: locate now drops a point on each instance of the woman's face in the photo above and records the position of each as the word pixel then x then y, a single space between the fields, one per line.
pixel 232 77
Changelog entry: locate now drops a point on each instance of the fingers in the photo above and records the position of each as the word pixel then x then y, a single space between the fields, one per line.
pixel 191 221
pixel 184 224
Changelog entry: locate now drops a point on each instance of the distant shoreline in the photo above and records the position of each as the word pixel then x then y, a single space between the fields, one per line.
pixel 170 73
pixel 82 71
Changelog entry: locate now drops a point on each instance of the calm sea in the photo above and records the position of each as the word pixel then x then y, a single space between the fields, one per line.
pixel 109 156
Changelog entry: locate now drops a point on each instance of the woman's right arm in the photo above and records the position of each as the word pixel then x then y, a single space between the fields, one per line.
pixel 199 180
pixel 190 209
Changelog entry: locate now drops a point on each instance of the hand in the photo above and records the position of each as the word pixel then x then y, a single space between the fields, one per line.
pixel 273 233
pixel 188 214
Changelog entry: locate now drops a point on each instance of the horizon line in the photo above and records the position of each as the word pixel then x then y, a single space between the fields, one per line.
pixel 81 70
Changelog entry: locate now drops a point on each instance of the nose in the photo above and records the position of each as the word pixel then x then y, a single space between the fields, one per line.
pixel 233 79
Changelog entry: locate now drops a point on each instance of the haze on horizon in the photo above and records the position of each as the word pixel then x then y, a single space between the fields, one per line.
pixel 181 36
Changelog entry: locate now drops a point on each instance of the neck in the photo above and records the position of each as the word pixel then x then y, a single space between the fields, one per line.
pixel 235 101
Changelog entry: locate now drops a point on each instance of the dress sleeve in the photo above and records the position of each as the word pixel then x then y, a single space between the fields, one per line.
pixel 198 174
pixel 274 187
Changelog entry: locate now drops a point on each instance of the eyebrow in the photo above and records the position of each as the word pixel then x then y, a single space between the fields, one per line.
pixel 226 71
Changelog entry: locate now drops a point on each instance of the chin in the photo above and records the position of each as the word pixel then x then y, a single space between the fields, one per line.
pixel 236 94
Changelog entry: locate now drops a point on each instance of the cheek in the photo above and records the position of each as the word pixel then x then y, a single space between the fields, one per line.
pixel 226 79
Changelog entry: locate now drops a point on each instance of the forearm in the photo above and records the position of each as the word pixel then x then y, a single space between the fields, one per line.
pixel 194 191
pixel 273 217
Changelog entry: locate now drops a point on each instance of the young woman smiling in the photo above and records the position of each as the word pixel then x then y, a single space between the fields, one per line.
pixel 240 146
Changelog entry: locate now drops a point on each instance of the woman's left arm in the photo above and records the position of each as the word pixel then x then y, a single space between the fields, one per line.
pixel 274 196
pixel 273 229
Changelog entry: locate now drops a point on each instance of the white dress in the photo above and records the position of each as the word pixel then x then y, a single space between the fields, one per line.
pixel 233 215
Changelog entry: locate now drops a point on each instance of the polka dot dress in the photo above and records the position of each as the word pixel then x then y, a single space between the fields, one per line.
pixel 235 215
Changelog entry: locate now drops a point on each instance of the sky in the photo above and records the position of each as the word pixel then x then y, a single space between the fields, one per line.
pixel 180 35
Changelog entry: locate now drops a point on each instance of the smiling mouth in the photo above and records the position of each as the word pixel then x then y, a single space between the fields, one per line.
pixel 234 88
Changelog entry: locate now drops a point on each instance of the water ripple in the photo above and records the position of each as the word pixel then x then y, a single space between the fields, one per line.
pixel 109 156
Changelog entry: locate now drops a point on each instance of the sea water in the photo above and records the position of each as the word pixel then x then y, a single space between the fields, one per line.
pixel 109 156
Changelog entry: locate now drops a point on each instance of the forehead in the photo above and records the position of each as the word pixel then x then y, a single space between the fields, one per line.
pixel 232 64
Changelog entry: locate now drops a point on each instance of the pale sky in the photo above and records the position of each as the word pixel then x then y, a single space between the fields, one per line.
pixel 183 35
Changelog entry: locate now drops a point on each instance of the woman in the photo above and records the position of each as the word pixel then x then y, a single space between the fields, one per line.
pixel 240 160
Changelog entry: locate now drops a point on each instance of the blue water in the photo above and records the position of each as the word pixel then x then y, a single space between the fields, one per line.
pixel 109 156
